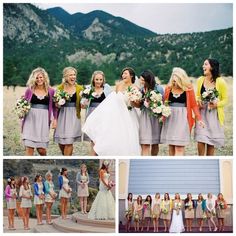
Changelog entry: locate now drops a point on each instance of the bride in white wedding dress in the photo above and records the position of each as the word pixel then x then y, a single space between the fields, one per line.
pixel 177 225
pixel 103 207
pixel 111 126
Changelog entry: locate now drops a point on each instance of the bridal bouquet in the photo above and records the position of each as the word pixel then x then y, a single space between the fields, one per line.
pixel 165 211
pixel 136 217
pixel 132 94
pixel 86 95
pixel 210 96
pixel 61 97
pixel 22 107
pixel 178 207
pixel 222 205
pixel 154 103
pixel 128 213
pixel 189 206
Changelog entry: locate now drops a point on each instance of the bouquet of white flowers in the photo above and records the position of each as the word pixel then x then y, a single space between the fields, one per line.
pixel 61 97
pixel 153 102
pixel 178 207
pixel 210 96
pixel 22 107
pixel 132 94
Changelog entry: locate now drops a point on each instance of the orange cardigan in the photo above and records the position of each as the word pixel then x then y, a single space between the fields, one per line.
pixel 191 105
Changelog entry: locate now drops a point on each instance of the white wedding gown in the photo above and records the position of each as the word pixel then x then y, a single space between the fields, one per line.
pixel 113 128
pixel 177 225
pixel 103 207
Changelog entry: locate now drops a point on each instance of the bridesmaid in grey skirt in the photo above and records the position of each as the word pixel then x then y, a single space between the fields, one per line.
pixel 177 127
pixel 36 124
pixel 212 113
pixel 68 128
pixel 100 91
pixel 149 126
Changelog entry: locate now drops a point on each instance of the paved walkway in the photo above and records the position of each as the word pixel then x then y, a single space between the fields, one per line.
pixel 19 225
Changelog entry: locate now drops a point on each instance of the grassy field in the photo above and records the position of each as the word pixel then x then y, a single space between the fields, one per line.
pixel 12 145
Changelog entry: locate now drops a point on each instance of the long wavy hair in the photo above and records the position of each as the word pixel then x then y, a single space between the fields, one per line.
pixel 180 76
pixel 215 68
pixel 31 83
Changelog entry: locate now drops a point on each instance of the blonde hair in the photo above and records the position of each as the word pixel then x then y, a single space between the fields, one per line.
pixel 177 195
pixel 98 72
pixel 31 83
pixel 182 79
pixel 49 173
pixel 65 73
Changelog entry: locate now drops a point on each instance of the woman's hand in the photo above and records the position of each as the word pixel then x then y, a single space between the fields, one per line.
pixel 212 105
pixel 200 104
pixel 201 123
pixel 54 124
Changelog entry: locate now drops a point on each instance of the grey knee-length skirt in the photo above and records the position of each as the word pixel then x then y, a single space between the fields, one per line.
pixel 90 110
pixel 149 129
pixel 68 128
pixel 35 131
pixel 213 132
pixel 175 129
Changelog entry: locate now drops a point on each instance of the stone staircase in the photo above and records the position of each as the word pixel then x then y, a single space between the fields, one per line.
pixel 77 223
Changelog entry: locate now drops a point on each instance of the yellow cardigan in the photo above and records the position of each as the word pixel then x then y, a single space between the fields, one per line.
pixel 221 87
pixel 78 88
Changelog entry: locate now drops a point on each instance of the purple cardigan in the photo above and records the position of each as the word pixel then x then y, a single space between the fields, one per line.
pixel 8 193
pixel 51 109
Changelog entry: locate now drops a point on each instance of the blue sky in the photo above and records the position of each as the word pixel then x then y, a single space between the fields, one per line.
pixel 162 18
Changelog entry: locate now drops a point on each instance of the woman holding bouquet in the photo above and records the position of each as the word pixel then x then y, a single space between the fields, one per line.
pixel 113 125
pixel 26 195
pixel 68 128
pixel 177 127
pixel 189 212
pixel 50 196
pixel 39 198
pixel 65 192
pixel 221 206
pixel 103 207
pixel 11 194
pixel 147 211
pixel 177 225
pixel 36 124
pixel 210 211
pixel 156 211
pixel 93 95
pixel 211 97
pixel 129 209
pixel 166 208
pixel 138 213
pixel 150 127
pixel 199 211
pixel 82 179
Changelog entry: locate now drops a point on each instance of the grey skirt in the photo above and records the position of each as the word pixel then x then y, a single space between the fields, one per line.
pixel 35 132
pixel 90 110
pixel 149 129
pixel 175 129
pixel 213 132
pixel 68 128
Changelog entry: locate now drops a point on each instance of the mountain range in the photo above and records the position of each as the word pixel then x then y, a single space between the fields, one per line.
pixel 53 39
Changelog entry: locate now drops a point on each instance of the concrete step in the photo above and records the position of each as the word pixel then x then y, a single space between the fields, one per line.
pixel 83 220
pixel 70 226
pixel 45 229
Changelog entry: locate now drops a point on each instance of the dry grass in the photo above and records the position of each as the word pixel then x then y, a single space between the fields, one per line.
pixel 12 145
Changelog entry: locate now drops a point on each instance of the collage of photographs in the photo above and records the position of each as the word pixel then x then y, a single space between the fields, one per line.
pixel 117 118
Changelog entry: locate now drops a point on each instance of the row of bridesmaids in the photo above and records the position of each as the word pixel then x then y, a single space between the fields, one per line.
pixel 175 130
pixel 102 208
pixel 170 211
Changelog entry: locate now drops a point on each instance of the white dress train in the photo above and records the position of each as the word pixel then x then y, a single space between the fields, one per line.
pixel 177 225
pixel 113 128
pixel 103 207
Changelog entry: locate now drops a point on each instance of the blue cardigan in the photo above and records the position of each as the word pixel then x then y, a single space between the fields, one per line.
pixel 36 188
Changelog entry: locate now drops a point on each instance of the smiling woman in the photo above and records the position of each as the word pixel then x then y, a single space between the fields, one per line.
pixel 68 128
pixel 35 125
